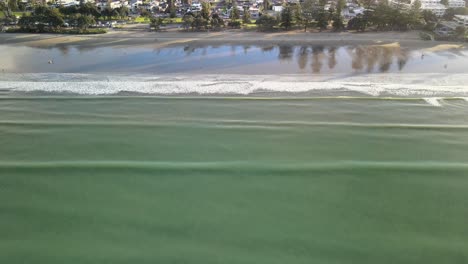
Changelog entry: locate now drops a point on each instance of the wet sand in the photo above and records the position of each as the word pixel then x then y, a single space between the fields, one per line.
pixel 127 39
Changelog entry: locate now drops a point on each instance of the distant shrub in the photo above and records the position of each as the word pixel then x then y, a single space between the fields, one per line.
pixel 266 22
pixel 234 24
pixel 425 36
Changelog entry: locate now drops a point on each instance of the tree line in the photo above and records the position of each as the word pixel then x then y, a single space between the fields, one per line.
pixel 44 18
pixel 381 16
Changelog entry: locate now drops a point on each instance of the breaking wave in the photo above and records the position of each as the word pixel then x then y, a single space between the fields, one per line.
pixel 427 86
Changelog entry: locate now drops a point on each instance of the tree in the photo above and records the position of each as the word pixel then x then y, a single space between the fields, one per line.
pixel 429 16
pixel 13 5
pixel 461 11
pixel 123 12
pixel 40 18
pixel 84 21
pixel 172 12
pixel 449 14
pixel 155 23
pixel 416 5
pixel 460 32
pixel 44 15
pixel 297 14
pixel 322 20
pixel 234 11
pixel 337 22
pixel 188 21
pixel 206 10
pixel 266 22
pixel 5 8
pixel 170 5
pixel 234 24
pixel 54 18
pixel 216 21
pixel 68 10
pixel 383 16
pixel 106 12
pixel 26 22
pixel 322 16
pixel 414 16
pixel 199 23
pixel 21 5
pixel 337 19
pixel 309 9
pixel 115 13
pixel 444 2
pixel 266 5
pixel 89 9
pixel 340 5
pixel 358 23
pixel 144 12
pixel 286 17
pixel 370 3
pixel 246 16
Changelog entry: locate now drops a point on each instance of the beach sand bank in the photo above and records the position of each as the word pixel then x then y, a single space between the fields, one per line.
pixel 126 39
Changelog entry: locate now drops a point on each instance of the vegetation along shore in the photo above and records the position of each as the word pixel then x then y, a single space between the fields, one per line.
pixel 446 22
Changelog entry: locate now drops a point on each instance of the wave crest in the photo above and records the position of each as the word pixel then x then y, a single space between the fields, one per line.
pixel 402 85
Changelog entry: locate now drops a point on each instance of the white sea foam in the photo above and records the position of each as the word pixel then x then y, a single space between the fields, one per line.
pixel 403 85
pixel 433 101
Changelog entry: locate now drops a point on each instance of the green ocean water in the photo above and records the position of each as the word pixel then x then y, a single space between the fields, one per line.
pixel 232 180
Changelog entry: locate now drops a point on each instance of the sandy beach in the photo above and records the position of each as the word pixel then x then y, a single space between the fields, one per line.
pixel 139 38
pixel 234 62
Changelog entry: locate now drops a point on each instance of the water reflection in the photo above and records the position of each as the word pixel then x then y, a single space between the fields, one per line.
pixel 267 48
pixel 402 59
pixel 368 59
pixel 64 49
pixel 246 48
pixel 317 57
pixel 332 58
pixel 285 52
pixel 302 57
pixel 189 50
pixel 241 59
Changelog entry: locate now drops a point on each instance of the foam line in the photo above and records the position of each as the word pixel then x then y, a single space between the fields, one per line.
pixel 426 86
pixel 433 101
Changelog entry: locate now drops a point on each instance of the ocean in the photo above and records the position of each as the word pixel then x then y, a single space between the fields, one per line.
pixel 179 167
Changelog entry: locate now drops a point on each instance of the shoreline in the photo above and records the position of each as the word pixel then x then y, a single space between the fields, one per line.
pixel 140 39
pixel 362 85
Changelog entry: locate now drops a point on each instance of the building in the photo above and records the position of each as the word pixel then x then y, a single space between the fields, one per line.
pixel 432 5
pixel 277 8
pixel 101 5
pixel 68 2
pixel 352 11
pixel 254 12
pixel 461 20
pixel 135 4
pixel 437 8
pixel 456 3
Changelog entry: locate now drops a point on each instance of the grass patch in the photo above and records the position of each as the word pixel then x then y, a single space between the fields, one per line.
pixel 17 14
pixel 142 20
pixel 166 20
pixel 175 20
pixel 250 26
